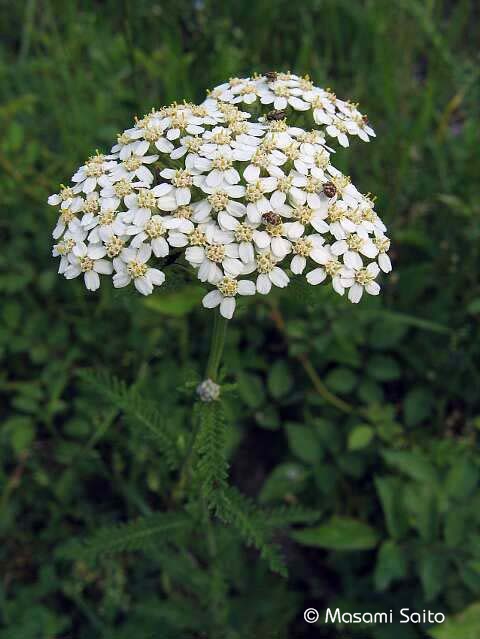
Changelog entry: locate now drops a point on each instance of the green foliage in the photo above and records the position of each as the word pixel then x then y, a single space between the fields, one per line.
pixel 400 450
pixel 136 407
pixel 210 446
pixel 340 533
pixel 134 535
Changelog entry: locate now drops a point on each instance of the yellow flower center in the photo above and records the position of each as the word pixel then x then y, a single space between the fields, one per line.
pixel 136 268
pixel 154 229
pixel 221 163
pixel 215 253
pixel 254 192
pixel 218 200
pixel 197 238
pixel 354 242
pixel 182 179
pixel 228 286
pixel 363 277
pixel 303 214
pixel 67 216
pixel 107 217
pixel 333 267
pixel 152 133
pixel 65 247
pixel 265 263
pixel 146 199
pixel 86 263
pixel 185 212
pixel 122 188
pixel 114 246
pixel 244 233
pixel 303 247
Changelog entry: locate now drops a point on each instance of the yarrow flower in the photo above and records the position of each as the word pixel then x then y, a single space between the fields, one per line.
pixel 248 203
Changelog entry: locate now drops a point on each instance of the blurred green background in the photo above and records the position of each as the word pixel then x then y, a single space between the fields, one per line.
pixel 393 468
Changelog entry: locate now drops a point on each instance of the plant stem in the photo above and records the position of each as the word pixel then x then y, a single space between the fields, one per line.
pixel 217 342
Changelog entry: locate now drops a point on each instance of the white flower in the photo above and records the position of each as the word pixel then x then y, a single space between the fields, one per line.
pixel 241 194
pixel 178 193
pixel 132 265
pixel 331 265
pixel 209 258
pixel 222 198
pixel 305 216
pixel 303 248
pixel 383 244
pixel 338 129
pixel 307 189
pixel 68 219
pixel 91 173
pixel 88 260
pixel 134 165
pixel 351 247
pixel 258 204
pixel 361 280
pixel 219 169
pixel 152 231
pixel 280 95
pixel 64 197
pixel 182 121
pixel 269 273
pixel 322 106
pixel 63 250
pixel 224 295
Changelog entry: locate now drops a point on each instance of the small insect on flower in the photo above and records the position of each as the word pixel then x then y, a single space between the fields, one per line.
pixel 248 201
pixel 275 115
pixel 272 218
pixel 330 189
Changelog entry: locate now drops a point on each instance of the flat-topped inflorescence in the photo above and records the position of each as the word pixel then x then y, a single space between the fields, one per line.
pixel 248 199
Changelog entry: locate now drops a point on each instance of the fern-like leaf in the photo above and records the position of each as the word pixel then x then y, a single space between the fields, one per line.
pixel 287 515
pixel 132 404
pixel 240 512
pixel 134 535
pixel 212 467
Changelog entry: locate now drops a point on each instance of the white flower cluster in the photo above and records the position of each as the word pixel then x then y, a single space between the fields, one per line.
pixel 242 197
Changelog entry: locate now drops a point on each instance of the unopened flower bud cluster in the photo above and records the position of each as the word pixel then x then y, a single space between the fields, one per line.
pixel 244 197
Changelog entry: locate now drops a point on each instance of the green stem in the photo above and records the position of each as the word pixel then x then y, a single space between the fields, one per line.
pixel 217 343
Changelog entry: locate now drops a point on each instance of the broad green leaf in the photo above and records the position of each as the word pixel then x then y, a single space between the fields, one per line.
pixel 341 380
pixel 340 533
pixel 360 437
pixel 383 368
pixel 462 479
pixel 251 389
pixel 390 492
pixel 279 380
pixel 465 625
pixel 391 565
pixel 414 464
pixel 304 442
pixel 432 570
pixel 417 406
pixel 285 479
